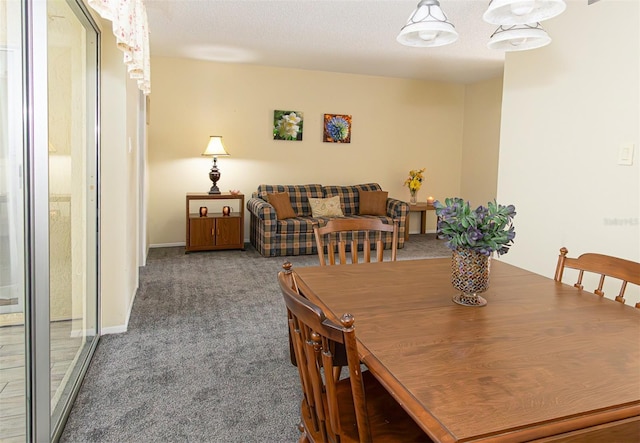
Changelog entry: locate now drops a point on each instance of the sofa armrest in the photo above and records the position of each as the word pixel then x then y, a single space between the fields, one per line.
pixel 399 210
pixel 263 224
pixel 261 209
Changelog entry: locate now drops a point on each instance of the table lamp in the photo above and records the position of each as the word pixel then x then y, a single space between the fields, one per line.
pixel 215 148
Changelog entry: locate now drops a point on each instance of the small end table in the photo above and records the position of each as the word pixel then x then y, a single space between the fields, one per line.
pixel 422 208
pixel 212 231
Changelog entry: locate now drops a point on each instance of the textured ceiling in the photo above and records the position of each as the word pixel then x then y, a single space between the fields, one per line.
pixel 350 36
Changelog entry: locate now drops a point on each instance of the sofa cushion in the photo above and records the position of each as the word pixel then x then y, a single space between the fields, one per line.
pixel 325 207
pixel 281 203
pixel 301 225
pixel 349 197
pixel 298 194
pixel 373 202
pixel 298 225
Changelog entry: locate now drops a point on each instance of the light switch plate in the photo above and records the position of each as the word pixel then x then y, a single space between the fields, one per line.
pixel 625 154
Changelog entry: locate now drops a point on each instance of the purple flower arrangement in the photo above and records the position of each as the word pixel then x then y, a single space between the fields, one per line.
pixel 486 229
pixel 338 128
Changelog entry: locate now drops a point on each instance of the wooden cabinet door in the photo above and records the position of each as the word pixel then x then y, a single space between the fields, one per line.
pixel 227 231
pixel 201 232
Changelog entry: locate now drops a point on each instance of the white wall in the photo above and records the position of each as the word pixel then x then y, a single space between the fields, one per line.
pixel 118 187
pixel 567 108
pixel 479 170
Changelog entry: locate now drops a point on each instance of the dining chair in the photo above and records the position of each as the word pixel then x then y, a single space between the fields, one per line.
pixel 607 266
pixel 336 406
pixel 340 232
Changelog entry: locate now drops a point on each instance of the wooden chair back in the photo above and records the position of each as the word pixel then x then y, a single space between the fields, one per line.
pixel 333 237
pixel 337 407
pixel 607 266
pixel 316 342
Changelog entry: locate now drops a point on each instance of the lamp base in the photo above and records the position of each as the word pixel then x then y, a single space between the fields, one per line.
pixel 214 176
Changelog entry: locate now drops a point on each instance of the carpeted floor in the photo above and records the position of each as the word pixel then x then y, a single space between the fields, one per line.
pixel 205 358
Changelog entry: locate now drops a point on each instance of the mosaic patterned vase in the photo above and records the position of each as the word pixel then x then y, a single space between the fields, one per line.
pixel 470 275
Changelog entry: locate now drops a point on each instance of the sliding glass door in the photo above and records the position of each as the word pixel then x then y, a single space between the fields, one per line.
pixel 13 404
pixel 48 212
pixel 72 53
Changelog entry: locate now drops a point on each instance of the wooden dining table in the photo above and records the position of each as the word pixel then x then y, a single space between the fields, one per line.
pixel 542 361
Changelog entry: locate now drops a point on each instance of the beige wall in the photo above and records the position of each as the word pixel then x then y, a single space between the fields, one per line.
pixel 567 108
pixel 118 187
pixel 398 125
pixel 479 177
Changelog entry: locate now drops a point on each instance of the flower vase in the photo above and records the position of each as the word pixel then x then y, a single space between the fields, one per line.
pixel 414 197
pixel 470 275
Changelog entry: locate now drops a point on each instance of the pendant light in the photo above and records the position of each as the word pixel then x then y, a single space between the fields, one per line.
pixel 519 37
pixel 520 12
pixel 519 28
pixel 427 26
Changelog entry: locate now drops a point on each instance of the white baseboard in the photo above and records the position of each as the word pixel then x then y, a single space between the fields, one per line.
pixel 114 330
pixel 166 245
pixel 130 308
pixel 119 329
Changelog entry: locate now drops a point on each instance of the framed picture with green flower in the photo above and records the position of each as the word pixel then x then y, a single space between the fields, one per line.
pixel 337 128
pixel 287 125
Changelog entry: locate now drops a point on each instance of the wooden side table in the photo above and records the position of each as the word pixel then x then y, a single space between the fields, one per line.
pixel 422 208
pixel 214 230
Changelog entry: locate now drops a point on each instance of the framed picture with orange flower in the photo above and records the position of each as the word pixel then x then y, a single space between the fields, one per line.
pixel 337 128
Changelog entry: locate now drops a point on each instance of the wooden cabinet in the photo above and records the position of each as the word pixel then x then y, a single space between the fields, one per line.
pixel 214 230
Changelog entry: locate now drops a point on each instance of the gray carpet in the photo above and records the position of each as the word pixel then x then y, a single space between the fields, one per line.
pixel 205 358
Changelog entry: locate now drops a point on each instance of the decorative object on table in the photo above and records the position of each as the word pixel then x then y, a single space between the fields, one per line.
pixel 470 275
pixel 474 235
pixel 414 182
pixel 234 191
pixel 226 210
pixel 203 211
pixel 430 200
pixel 215 149
pixel 337 128
pixel 287 125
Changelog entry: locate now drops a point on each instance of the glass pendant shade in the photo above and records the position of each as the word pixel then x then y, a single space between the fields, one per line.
pixel 519 38
pixel 520 12
pixel 427 26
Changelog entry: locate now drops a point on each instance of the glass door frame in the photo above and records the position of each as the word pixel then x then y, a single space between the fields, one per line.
pixel 39 426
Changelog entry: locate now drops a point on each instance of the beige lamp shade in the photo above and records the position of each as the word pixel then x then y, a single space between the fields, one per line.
pixel 215 148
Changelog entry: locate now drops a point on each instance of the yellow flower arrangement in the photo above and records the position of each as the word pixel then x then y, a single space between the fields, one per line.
pixel 414 182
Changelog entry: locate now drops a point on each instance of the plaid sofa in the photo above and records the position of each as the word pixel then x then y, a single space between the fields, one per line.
pixel 294 236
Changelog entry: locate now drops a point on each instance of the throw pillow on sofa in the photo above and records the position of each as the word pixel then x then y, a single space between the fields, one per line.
pixel 282 204
pixel 373 202
pixel 326 207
